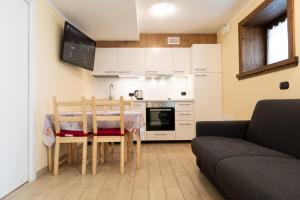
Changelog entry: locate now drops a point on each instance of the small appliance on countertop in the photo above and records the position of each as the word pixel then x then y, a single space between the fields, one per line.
pixel 138 94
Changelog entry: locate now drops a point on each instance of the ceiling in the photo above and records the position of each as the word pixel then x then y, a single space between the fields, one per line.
pixel 190 16
pixel 126 19
pixel 102 19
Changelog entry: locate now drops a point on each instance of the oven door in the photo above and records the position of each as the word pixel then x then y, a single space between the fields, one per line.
pixel 160 119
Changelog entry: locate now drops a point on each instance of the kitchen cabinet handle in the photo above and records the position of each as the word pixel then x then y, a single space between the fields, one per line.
pixel 200 69
pixel 151 71
pixel 184 124
pixel 124 72
pixel 161 134
pixel 182 71
pixel 201 75
pixel 184 104
pixel 185 114
pixel 110 72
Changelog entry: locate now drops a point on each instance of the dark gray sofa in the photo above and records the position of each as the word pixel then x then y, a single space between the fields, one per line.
pixel 256 159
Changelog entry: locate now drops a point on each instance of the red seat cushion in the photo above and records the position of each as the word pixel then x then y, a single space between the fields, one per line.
pixel 110 132
pixel 67 133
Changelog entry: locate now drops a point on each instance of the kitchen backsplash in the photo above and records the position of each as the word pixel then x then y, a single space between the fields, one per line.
pixel 154 88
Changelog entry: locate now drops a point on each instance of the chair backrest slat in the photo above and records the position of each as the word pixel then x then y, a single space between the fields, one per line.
pixel 70 119
pixel 78 117
pixel 122 122
pixel 69 103
pixel 98 104
pixel 108 118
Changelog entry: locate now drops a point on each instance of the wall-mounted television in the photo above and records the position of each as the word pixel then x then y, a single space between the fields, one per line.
pixel 78 48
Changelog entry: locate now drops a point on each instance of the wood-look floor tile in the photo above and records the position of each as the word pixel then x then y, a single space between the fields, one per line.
pixel 174 193
pixel 168 172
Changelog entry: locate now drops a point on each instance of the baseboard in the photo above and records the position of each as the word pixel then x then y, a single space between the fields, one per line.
pixel 44 171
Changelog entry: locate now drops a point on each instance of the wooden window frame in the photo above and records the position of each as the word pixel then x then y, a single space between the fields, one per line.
pixel 259 18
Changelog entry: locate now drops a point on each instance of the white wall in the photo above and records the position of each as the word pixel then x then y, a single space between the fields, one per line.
pixel 154 88
pixel 241 96
pixel 52 77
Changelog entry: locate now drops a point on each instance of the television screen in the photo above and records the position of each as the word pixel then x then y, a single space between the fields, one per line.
pixel 77 48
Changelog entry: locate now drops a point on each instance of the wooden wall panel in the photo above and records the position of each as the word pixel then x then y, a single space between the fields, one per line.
pixel 160 40
pixel 254 48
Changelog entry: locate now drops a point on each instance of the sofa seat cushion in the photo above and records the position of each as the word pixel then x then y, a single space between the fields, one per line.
pixel 260 178
pixel 211 149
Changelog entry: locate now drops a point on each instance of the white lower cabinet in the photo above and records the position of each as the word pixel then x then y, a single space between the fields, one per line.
pixel 160 135
pixel 185 130
pixel 184 121
pixel 184 116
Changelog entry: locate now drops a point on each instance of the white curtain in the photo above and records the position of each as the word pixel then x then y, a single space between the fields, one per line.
pixel 278 43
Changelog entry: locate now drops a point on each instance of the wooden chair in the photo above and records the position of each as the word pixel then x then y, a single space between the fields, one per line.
pixel 108 135
pixel 70 136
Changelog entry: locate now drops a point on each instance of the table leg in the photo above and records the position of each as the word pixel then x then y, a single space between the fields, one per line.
pixel 125 147
pixel 129 145
pixel 56 156
pixel 138 151
pixel 50 158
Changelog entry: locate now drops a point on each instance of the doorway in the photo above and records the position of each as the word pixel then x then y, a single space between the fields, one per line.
pixel 14 88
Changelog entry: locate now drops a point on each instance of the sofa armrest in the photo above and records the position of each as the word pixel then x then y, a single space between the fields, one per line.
pixel 233 129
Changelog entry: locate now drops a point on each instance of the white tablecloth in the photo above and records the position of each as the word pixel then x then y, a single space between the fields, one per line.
pixel 133 120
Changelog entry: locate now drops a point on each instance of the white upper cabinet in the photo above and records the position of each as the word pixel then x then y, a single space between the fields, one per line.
pixel 131 62
pixel 134 62
pixel 106 62
pixel 181 61
pixel 159 61
pixel 206 58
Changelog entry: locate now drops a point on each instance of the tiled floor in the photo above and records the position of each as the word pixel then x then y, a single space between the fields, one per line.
pixel 168 172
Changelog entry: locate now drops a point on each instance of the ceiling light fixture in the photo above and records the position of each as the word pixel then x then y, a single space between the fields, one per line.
pixel 162 9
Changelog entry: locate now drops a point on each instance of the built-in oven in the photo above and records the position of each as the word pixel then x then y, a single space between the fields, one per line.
pixel 160 116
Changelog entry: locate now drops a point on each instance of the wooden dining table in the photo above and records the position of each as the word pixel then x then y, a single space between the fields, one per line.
pixel 133 123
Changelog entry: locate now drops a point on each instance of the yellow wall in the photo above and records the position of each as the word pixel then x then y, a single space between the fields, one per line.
pixel 240 97
pixel 53 78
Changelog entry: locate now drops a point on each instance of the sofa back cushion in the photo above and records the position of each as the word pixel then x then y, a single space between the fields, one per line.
pixel 276 124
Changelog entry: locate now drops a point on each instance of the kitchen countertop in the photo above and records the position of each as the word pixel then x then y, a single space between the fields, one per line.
pixel 157 100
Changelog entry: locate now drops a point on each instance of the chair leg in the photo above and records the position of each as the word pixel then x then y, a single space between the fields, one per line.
pixel 105 148
pixel 99 150
pixel 95 144
pixel 112 147
pixel 138 152
pixel 102 153
pixel 74 153
pixel 69 150
pixel 122 151
pixel 56 157
pixel 84 157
